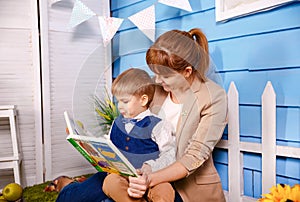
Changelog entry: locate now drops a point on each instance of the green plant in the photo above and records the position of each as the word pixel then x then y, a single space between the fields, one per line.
pixel 36 192
pixel 106 111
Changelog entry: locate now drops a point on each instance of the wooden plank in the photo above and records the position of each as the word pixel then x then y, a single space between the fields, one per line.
pixel 45 63
pixel 268 138
pixel 223 173
pixel 288 128
pixel 292 152
pixel 285 82
pixel 248 199
pixel 287 169
pixel 283 18
pixel 258 184
pixel 285 151
pixel 5 107
pixel 274 50
pixel 196 5
pixel 15 14
pixel 248 180
pixel 35 33
pixel 117 5
pixel 262 51
pixel 251 147
pixel 234 155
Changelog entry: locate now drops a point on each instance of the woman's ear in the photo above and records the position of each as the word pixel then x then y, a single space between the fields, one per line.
pixel 144 100
pixel 187 72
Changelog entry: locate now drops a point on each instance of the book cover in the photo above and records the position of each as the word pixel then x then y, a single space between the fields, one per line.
pixel 99 151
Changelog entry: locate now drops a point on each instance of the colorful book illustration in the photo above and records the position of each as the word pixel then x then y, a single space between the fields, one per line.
pixel 99 151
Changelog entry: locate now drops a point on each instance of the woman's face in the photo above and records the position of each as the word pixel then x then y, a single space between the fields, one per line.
pixel 167 81
pixel 171 82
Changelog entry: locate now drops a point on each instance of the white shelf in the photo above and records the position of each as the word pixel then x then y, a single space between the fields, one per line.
pixel 14 161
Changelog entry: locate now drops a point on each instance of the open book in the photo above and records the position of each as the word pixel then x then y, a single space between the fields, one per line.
pixel 99 151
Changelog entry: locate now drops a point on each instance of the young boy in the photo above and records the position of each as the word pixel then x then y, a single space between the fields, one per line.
pixel 145 139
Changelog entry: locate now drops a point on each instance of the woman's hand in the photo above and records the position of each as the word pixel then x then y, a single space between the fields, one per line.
pixel 138 185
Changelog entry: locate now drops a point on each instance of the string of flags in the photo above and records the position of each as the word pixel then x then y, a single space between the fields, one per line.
pixel 144 20
pixel 181 4
pixel 80 13
pixel 109 26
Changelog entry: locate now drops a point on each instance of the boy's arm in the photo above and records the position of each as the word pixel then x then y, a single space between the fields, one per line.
pixel 162 134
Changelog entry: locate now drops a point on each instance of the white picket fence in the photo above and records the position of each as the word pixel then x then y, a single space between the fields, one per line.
pixel 268 148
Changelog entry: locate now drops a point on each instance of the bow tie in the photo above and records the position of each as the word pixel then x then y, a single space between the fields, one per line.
pixel 129 120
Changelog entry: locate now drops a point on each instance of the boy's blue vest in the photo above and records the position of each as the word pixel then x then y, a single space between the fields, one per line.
pixel 136 145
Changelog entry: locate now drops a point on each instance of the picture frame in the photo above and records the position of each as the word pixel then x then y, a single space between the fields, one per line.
pixel 230 9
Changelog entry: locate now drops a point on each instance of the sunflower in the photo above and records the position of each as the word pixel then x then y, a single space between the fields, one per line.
pixel 282 193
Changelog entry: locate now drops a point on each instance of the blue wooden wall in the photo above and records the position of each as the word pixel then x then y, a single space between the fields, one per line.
pixel 249 51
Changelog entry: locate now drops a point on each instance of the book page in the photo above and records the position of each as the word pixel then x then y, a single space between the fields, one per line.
pixel 99 151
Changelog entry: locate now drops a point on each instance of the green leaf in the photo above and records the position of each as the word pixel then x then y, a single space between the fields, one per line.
pixel 106 110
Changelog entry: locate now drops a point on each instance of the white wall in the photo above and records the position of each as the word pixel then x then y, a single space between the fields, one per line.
pixel 41 79
pixel 20 85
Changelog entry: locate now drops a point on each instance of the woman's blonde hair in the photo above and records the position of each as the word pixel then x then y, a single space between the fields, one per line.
pixel 133 81
pixel 177 50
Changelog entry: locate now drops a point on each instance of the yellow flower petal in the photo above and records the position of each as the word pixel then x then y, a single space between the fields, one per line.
pixel 268 196
pixel 266 200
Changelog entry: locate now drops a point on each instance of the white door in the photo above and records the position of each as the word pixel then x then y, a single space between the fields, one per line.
pixel 75 65
pixel 43 66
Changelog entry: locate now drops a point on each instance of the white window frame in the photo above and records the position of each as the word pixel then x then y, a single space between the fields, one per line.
pixel 246 7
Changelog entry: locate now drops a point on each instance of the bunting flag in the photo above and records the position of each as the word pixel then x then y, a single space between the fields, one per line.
pixel 182 4
pixel 109 26
pixel 53 2
pixel 145 21
pixel 80 13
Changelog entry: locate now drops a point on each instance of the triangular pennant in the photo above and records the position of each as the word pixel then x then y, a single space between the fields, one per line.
pixel 109 26
pixel 182 4
pixel 145 21
pixel 80 13
pixel 53 2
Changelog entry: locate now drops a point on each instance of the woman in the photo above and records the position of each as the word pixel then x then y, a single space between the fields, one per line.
pixel 197 107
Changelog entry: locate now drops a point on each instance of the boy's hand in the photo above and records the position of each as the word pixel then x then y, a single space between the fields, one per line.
pixel 138 186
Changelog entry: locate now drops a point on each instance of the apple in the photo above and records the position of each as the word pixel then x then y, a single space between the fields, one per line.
pixel 12 192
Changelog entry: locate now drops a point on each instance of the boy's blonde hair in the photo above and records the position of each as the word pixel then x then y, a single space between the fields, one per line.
pixel 136 82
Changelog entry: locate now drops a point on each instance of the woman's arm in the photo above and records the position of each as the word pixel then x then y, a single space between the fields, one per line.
pixel 171 173
pixel 201 134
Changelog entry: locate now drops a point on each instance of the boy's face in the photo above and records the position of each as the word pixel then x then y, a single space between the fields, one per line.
pixel 130 106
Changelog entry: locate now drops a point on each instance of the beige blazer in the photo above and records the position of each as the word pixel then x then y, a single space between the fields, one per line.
pixel 200 127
